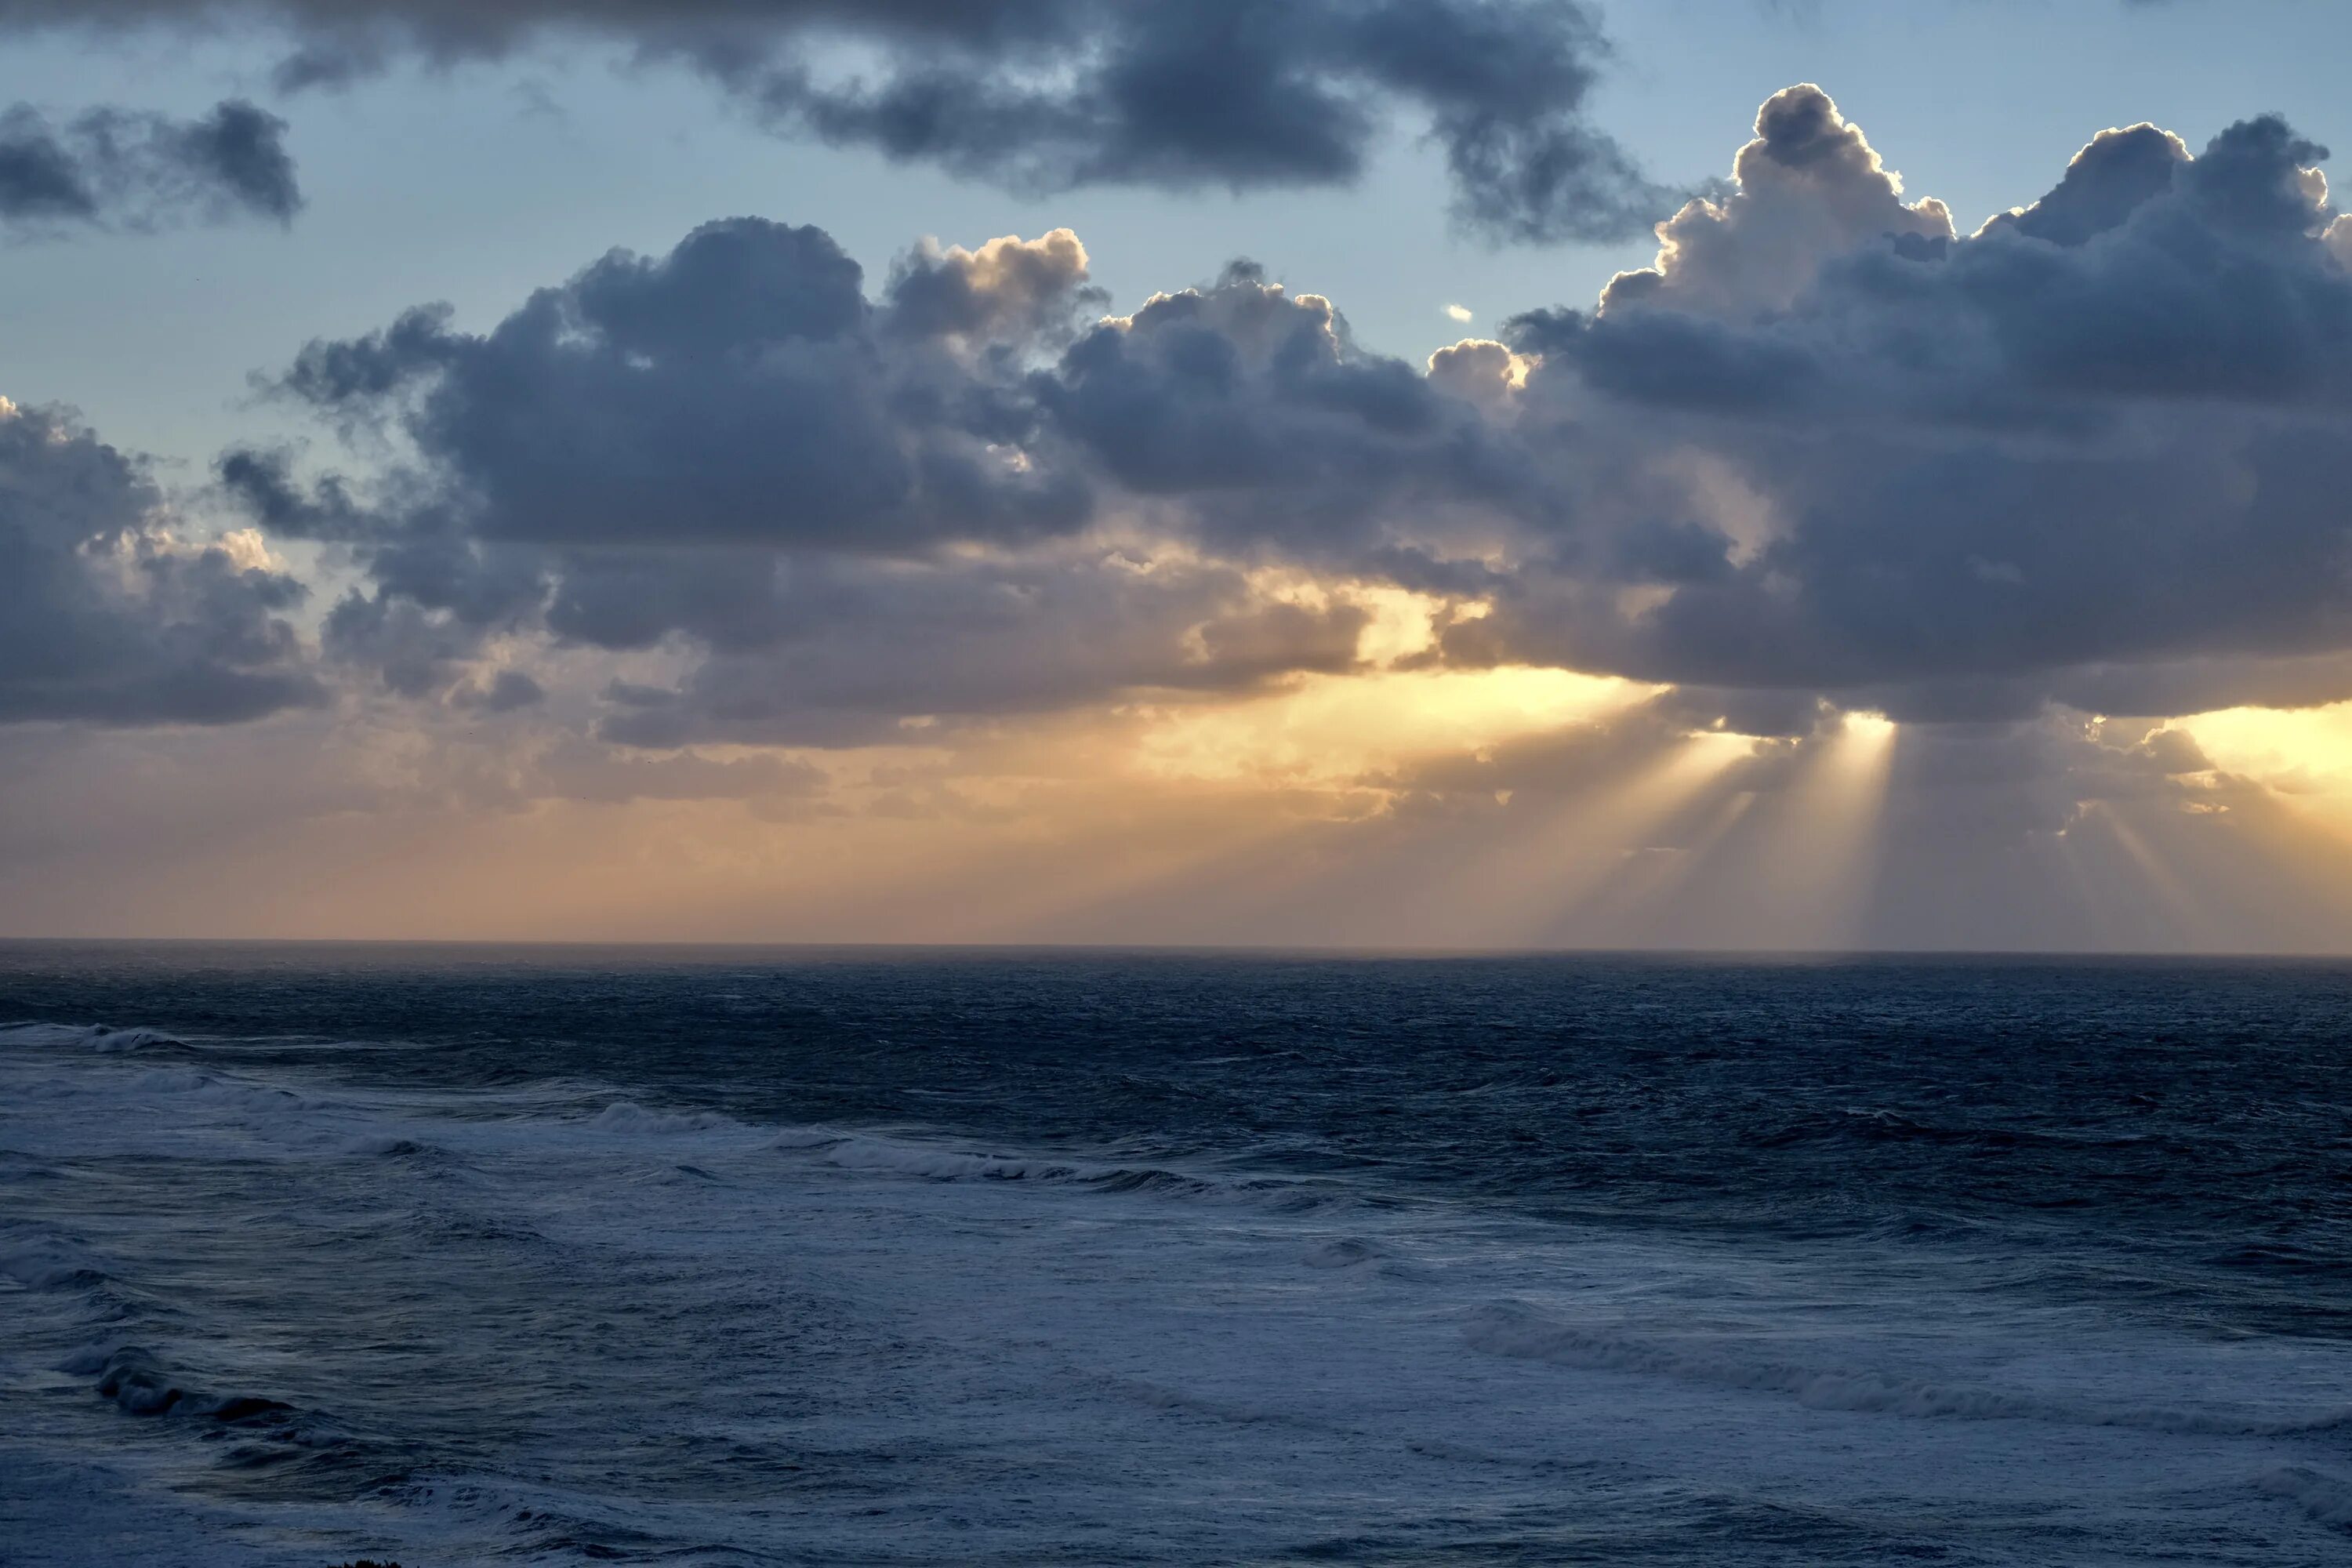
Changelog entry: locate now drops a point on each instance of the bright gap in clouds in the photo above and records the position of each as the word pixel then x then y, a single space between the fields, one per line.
pixel 2305 753
pixel 1331 731
pixel 2295 764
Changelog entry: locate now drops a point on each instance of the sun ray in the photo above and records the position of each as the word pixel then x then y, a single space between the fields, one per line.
pixel 1532 878
pixel 1800 864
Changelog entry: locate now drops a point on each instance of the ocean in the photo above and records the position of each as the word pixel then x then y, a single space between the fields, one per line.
pixel 733 1256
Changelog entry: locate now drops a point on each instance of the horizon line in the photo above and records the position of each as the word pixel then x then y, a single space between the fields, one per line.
pixel 1144 949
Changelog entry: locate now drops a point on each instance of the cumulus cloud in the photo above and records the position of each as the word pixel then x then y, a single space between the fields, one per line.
pixel 107 617
pixel 1825 448
pixel 2105 182
pixel 118 168
pixel 1255 410
pixel 971 493
pixel 1052 94
pixel 1808 188
pixel 741 388
pixel 2098 443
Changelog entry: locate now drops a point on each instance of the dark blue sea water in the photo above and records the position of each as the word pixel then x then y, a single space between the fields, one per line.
pixel 467 1255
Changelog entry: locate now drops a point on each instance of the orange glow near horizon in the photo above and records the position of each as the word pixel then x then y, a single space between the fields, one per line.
pixel 1512 806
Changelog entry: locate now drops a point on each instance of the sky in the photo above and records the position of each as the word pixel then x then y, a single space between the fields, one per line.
pixel 1403 473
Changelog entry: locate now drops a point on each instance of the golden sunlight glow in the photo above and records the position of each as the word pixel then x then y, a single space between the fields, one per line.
pixel 1820 837
pixel 2306 752
pixel 1401 623
pixel 1329 729
pixel 2178 914
pixel 1538 879
pixel 1875 729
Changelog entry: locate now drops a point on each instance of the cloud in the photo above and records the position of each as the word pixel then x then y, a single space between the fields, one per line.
pixel 107 617
pixel 776 556
pixel 741 388
pixel 1808 188
pixel 854 653
pixel 506 691
pixel 1053 94
pixel 2106 182
pixel 2099 441
pixel 118 168
pixel 1459 315
pixel 1825 448
pixel 971 493
pixel 1256 415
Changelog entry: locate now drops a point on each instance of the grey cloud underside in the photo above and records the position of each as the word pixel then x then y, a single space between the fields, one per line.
pixel 106 618
pixel 120 168
pixel 865 650
pixel 1047 95
pixel 2097 453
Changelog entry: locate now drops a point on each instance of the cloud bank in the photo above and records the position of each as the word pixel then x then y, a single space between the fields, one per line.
pixel 1047 95
pixel 1824 449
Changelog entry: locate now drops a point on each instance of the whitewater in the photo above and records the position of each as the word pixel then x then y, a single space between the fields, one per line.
pixel 730 1258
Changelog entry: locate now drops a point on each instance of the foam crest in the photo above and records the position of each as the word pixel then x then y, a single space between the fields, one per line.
pixel 99 1037
pixel 628 1118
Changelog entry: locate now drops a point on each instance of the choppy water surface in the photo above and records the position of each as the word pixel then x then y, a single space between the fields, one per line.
pixel 470 1255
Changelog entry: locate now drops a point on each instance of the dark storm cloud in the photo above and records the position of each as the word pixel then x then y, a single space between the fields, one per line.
pixel 1052 94
pixel 125 169
pixel 105 618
